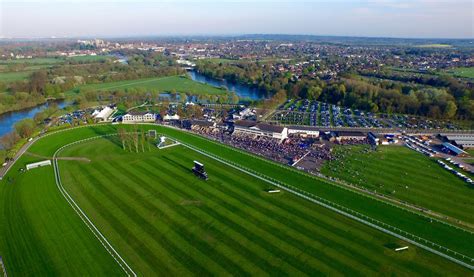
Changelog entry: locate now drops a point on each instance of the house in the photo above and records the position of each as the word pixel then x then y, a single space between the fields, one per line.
pixel 260 129
pixel 138 117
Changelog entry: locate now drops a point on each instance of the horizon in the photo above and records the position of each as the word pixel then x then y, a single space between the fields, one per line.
pixel 229 36
pixel 417 19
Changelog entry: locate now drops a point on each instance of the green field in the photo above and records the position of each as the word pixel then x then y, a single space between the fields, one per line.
pixel 466 72
pixel 406 175
pixel 170 222
pixel 164 84
pixel 88 59
pixel 158 205
pixel 33 61
pixel 14 76
pixel 435 45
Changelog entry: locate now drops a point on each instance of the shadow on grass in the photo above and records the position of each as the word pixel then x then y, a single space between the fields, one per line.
pixel 109 132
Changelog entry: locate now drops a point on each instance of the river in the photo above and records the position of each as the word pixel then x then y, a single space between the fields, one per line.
pixel 8 120
pixel 241 90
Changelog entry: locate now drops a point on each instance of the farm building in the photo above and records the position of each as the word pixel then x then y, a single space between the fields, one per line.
pixel 138 117
pixel 260 129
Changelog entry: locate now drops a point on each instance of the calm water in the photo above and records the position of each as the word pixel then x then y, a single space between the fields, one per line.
pixel 8 120
pixel 241 90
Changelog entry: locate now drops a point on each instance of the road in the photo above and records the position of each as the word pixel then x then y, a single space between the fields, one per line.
pixel 4 170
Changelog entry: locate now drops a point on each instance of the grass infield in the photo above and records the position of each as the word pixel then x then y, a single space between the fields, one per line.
pixel 149 206
pixel 406 175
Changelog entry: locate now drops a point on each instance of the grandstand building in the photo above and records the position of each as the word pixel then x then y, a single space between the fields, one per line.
pixel 461 140
pixel 350 135
pixel 260 129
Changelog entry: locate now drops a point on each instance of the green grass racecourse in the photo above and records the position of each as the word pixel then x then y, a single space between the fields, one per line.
pixel 406 175
pixel 51 239
pixel 162 84
pixel 169 222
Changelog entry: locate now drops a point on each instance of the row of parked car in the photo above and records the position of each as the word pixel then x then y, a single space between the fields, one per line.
pixel 316 113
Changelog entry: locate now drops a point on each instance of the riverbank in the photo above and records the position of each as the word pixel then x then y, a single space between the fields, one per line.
pixel 28 105
pixel 9 119
pixel 242 90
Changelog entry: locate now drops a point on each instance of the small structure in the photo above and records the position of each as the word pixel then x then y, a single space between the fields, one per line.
pixel 454 150
pixel 38 164
pixel 401 249
pixel 373 139
pixel 171 117
pixel 104 114
pixel 273 190
pixel 199 171
pixel 152 134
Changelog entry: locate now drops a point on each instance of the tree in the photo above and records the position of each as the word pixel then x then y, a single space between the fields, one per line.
pixel 434 112
pixel 8 140
pixel 314 92
pixel 123 136
pixel 38 81
pixel 450 109
pixel 25 127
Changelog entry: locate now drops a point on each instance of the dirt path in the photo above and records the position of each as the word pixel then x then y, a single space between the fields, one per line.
pixel 82 159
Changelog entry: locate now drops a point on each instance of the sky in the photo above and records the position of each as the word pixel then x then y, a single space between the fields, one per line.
pixel 125 18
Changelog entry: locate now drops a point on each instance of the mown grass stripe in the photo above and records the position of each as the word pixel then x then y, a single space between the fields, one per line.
pixel 170 204
pixel 180 229
pixel 154 233
pixel 274 226
pixel 217 202
pixel 120 228
pixel 249 255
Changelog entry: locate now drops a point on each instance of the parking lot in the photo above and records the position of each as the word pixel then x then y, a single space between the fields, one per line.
pixel 315 113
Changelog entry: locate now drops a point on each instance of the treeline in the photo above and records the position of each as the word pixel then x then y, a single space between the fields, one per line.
pixel 132 96
pixel 262 77
pixel 95 73
pixel 435 96
pixel 135 140
pixel 32 92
